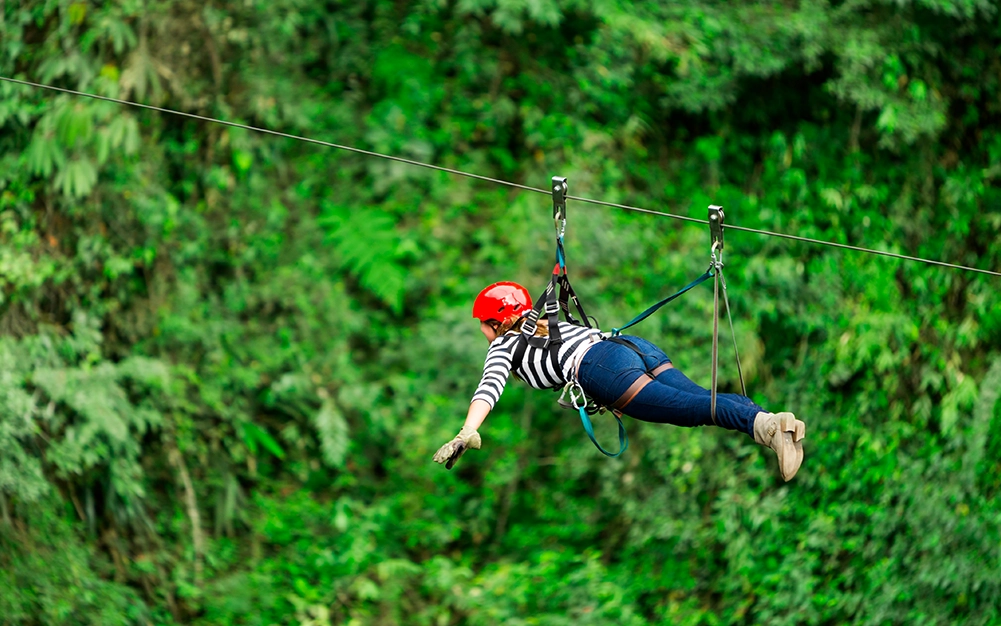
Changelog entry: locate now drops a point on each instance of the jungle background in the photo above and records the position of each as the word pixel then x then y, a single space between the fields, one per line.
pixel 227 358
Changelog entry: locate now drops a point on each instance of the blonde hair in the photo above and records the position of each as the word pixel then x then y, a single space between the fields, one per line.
pixel 515 324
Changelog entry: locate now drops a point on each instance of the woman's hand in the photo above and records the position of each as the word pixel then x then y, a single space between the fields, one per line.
pixel 451 451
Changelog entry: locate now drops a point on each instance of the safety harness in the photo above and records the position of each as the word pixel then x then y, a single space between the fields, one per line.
pixel 557 297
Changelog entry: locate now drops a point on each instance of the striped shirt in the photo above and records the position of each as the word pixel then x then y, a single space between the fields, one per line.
pixel 536 367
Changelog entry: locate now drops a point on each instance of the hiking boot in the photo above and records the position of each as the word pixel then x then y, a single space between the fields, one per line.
pixel 783 433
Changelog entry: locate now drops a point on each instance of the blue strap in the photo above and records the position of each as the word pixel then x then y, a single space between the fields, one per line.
pixel 645 314
pixel 589 428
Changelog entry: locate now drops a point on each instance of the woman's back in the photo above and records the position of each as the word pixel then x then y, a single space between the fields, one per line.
pixel 536 366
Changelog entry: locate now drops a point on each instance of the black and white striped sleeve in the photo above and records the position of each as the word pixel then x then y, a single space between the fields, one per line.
pixel 496 370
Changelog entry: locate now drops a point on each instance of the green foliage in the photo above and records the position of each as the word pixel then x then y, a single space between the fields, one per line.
pixel 226 358
pixel 370 249
pixel 53 576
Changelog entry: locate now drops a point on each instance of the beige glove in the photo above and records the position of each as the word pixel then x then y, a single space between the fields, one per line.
pixel 451 451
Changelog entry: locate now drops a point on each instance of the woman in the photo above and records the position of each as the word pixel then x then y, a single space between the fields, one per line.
pixel 628 374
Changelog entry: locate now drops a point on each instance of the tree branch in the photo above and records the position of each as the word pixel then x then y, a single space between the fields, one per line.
pixel 197 536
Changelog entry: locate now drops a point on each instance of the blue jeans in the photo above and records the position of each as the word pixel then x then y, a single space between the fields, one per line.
pixel 609 368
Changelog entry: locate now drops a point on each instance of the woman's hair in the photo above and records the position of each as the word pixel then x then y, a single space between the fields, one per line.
pixel 515 324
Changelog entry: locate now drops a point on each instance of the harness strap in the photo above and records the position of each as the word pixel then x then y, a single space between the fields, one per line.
pixel 653 309
pixel 718 275
pixel 589 429
pixel 634 389
pixel 715 354
pixel 642 381
pixel 567 292
pixel 519 354
pixel 638 385
pixel 661 368
pixel 546 303
pixel 716 267
pixel 740 373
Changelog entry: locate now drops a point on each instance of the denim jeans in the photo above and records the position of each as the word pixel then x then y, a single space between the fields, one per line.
pixel 609 368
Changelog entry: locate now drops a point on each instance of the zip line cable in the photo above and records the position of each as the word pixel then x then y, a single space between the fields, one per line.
pixel 276 133
pixel 496 181
pixel 768 233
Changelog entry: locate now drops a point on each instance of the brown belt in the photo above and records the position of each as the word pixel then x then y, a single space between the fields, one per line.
pixel 644 379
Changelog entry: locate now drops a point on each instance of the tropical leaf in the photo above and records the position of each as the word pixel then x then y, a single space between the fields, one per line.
pixel 370 247
pixel 334 433
pixel 74 124
pixel 254 434
pixel 123 132
pixel 77 178
pixel 118 31
pixel 44 155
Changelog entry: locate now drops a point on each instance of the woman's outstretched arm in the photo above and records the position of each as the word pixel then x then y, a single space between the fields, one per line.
pixel 478 411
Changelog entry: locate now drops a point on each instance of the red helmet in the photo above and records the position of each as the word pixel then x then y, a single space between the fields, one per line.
pixel 501 301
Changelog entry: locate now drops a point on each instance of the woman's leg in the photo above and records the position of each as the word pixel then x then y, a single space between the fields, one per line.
pixel 662 404
pixel 675 378
pixel 609 368
pixel 653 357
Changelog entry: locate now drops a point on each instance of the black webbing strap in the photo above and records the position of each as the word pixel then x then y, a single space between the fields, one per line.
pixel 519 354
pixel 546 303
pixel 567 292
pixel 567 295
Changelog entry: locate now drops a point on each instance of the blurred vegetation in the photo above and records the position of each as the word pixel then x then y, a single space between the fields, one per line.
pixel 227 358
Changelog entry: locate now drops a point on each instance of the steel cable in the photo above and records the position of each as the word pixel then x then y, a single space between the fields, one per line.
pixel 497 181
